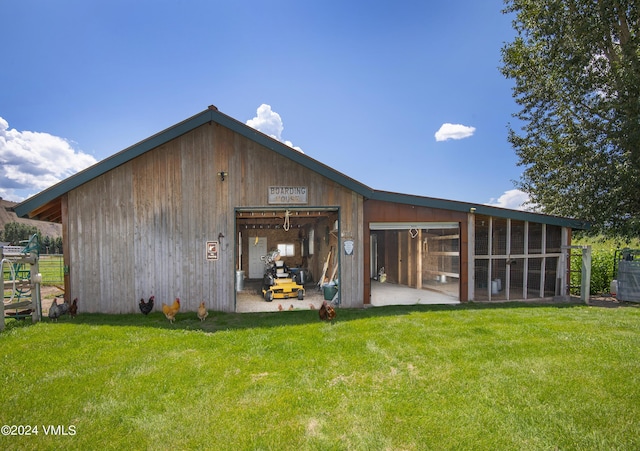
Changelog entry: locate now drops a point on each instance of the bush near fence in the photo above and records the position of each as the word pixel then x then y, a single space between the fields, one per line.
pixel 603 253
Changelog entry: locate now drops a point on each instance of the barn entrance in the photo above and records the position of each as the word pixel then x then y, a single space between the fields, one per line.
pixel 415 263
pixel 306 239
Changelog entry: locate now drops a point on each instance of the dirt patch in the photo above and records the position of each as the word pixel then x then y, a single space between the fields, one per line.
pixel 49 291
pixel 610 302
pixel 47 294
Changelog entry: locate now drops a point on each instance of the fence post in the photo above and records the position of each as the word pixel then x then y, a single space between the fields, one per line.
pixel 2 262
pixel 36 281
pixel 585 286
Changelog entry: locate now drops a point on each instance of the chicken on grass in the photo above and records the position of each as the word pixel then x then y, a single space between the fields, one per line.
pixel 54 311
pixel 202 311
pixel 326 312
pixel 146 307
pixel 57 310
pixel 73 308
pixel 171 311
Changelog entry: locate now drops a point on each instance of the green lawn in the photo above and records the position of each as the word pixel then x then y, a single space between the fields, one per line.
pixel 480 377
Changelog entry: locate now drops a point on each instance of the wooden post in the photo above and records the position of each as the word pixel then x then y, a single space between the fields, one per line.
pixel 411 257
pixel 36 279
pixel 400 257
pixel 66 253
pixel 585 287
pixel 419 260
pixel 471 251
pixel 2 260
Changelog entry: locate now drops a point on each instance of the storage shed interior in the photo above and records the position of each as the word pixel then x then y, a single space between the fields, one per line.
pixel 307 238
pixel 427 259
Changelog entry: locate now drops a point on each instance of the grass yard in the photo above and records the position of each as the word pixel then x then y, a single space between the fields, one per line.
pixel 507 377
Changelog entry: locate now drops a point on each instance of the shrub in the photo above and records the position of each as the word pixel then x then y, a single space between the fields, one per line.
pixel 602 271
pixel 603 254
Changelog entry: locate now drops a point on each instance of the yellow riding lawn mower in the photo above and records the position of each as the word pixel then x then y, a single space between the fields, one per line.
pixel 277 282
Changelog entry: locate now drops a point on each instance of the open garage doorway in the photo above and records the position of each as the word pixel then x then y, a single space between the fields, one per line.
pixel 415 263
pixel 306 242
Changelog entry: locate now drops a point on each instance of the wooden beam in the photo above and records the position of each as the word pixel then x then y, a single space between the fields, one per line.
pixel 48 212
pixel 419 260
pixel 66 253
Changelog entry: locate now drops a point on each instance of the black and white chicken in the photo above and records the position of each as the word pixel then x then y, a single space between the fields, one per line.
pixel 57 310
pixel 54 312
pixel 64 308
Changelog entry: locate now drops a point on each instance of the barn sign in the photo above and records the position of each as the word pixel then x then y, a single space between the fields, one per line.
pixel 212 250
pixel 287 195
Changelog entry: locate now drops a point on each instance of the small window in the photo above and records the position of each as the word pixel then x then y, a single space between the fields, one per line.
pixel 287 250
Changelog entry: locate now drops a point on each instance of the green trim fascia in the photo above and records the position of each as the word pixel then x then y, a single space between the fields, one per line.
pixel 479 209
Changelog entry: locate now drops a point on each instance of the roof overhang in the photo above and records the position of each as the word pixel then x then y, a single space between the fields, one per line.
pixel 47 205
pixel 479 209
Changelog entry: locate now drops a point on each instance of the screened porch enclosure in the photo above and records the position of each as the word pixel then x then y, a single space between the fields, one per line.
pixel 420 262
pixel 516 260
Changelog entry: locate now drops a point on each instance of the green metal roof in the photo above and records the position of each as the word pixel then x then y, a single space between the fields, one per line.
pixel 213 115
pixel 479 209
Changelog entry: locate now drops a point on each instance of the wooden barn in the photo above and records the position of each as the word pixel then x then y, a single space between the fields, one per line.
pixel 192 211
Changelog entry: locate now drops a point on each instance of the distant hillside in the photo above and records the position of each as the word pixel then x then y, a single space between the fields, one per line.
pixel 51 229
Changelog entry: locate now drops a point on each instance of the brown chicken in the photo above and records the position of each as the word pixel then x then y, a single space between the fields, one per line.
pixel 171 311
pixel 202 311
pixel 326 312
pixel 73 308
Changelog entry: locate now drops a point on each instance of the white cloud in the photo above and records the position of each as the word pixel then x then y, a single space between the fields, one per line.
pixel 513 199
pixel 453 131
pixel 33 161
pixel 270 123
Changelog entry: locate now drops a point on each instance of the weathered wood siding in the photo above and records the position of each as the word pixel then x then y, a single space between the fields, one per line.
pixel 100 215
pixel 141 229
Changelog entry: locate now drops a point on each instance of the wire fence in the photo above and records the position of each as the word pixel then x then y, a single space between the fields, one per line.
pixel 52 269
pixel 16 276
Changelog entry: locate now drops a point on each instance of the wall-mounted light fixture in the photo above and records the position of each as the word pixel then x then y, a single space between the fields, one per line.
pixel 220 236
pixel 472 209
pixel 222 175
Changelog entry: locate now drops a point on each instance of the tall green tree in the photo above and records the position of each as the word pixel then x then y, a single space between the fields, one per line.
pixel 576 67
pixel 46 245
pixel 58 246
pixel 15 232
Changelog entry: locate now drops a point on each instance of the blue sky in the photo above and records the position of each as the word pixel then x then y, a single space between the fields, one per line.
pixel 362 86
